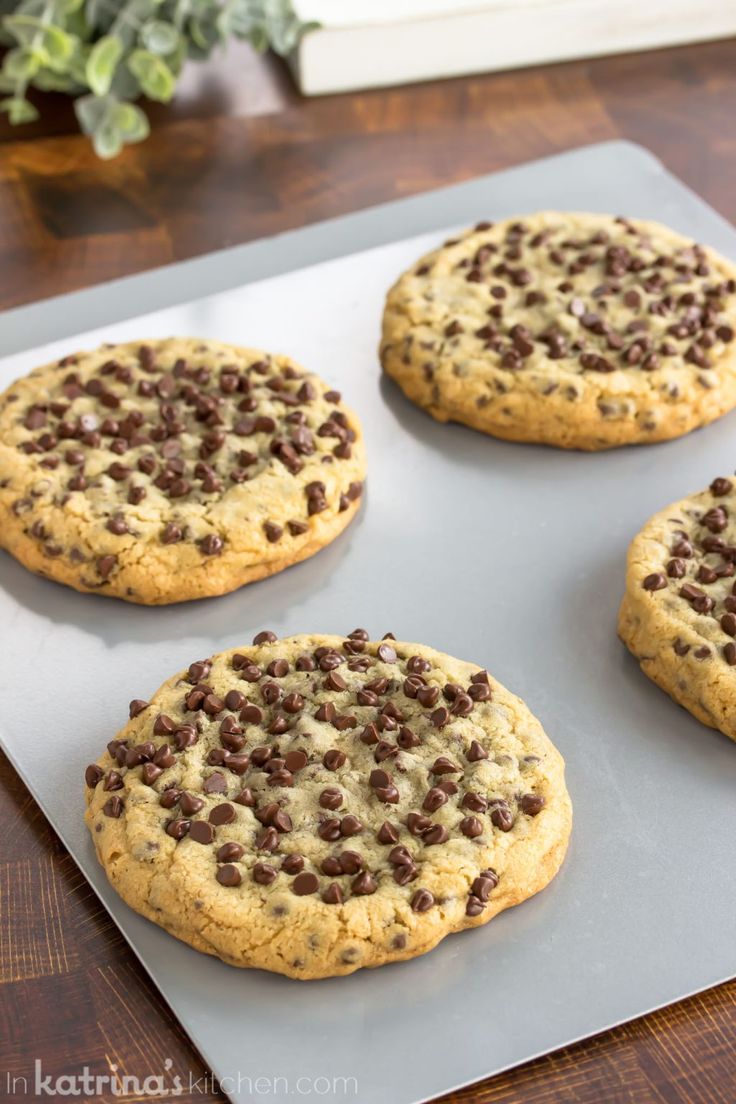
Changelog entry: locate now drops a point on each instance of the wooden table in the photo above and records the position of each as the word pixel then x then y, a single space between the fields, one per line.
pixel 240 156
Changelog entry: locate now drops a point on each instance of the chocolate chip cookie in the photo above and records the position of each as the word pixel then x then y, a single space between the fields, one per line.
pixel 175 469
pixel 317 804
pixel 678 615
pixel 575 330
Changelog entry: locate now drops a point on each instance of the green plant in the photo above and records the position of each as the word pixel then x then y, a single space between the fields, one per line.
pixel 108 53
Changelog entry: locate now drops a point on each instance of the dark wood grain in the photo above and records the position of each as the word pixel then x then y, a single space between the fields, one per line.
pixel 240 155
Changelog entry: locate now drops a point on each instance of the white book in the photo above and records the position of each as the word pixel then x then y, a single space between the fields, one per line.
pixel 373 43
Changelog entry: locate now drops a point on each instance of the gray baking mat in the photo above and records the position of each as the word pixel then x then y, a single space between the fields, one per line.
pixel 511 556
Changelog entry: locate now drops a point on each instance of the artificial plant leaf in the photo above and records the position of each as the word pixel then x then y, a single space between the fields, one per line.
pixel 91 111
pixel 21 64
pixel 107 141
pixel 102 63
pixel 131 121
pixel 19 110
pixel 153 74
pixel 159 37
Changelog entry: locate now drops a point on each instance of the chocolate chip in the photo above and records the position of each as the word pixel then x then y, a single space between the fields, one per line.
pixel 267 840
pixel 305 884
pixel 264 874
pixel 436 834
pixel 113 807
pixel 230 852
pixel 364 884
pixel 428 696
pixel 350 825
pixel 222 814
pixel 474 906
pixel 330 798
pixel 251 714
pixel 531 804
pixel 201 831
pixel 443 765
pixel 334 759
pixel 190 804
pixel 292 864
pixel 422 901
pixel 476 752
pixel 655 581
pixel 106 565
pixel 228 875
pixel 178 828
pixel 211 545
pixel 434 800
pixel 501 816
pixel 333 894
pixel 440 717
pixel 471 827
pixel 93 775
pixel 293 703
pixel 405 873
pixel 387 833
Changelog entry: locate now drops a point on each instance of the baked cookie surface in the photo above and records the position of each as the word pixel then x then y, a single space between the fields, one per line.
pixel 678 614
pixel 173 469
pixel 317 804
pixel 575 330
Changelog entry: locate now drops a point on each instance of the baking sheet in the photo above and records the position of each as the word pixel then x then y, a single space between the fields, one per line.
pixel 508 555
